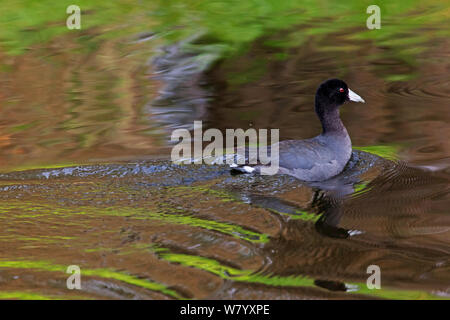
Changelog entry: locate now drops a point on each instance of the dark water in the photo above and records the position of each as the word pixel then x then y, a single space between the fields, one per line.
pixel 83 122
pixel 157 230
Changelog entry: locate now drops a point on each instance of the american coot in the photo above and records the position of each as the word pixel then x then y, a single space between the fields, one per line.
pixel 326 155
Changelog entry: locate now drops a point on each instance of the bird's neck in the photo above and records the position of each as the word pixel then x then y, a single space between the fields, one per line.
pixel 330 119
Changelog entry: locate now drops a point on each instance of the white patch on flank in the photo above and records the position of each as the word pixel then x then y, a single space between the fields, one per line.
pixel 352 233
pixel 248 169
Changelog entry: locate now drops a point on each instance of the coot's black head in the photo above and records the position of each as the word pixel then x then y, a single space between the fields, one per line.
pixel 334 92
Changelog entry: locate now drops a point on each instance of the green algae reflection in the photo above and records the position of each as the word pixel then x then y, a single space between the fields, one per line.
pixel 389 152
pixel 19 295
pixel 34 210
pixel 249 276
pixel 103 273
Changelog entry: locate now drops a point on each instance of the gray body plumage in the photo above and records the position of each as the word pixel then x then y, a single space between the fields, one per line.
pixel 315 159
pixel 325 155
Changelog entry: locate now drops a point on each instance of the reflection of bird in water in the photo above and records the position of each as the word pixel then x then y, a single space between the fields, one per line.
pixel 401 212
pixel 327 199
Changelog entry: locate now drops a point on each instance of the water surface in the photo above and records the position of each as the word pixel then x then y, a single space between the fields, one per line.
pixel 85 121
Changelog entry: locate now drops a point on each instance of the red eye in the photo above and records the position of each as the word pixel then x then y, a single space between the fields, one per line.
pixel 341 90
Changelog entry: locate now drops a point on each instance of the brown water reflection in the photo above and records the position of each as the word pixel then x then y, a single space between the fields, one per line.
pixel 76 100
pixel 88 99
pixel 154 230
pixel 263 91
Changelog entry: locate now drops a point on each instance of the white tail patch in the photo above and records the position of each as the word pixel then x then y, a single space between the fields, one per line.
pixel 244 169
pixel 248 169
